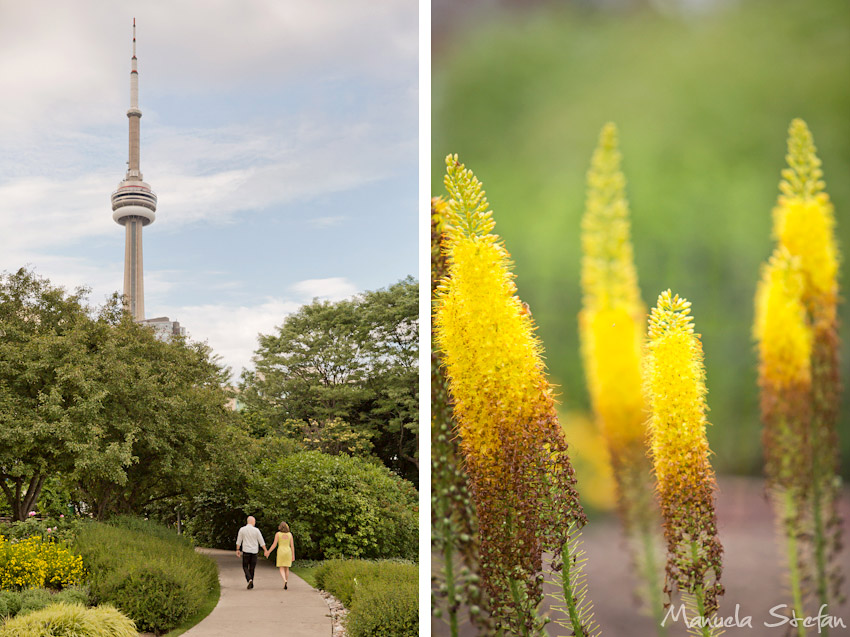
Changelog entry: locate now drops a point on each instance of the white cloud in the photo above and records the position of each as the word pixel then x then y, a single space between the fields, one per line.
pixel 59 64
pixel 231 331
pixel 332 289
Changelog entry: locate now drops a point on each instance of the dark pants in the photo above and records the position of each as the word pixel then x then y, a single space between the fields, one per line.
pixel 249 563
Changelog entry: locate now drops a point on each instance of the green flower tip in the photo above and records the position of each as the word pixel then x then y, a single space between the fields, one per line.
pixel 607 157
pixel 671 313
pixel 803 177
pixel 468 213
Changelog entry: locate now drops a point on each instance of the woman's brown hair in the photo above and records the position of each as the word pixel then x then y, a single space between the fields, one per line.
pixel 284 527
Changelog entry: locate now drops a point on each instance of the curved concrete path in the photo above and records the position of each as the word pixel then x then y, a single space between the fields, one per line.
pixel 265 611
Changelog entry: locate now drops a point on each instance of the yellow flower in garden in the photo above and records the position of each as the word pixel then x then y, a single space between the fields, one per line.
pixel 613 318
pixel 804 219
pixel 797 332
pixel 781 328
pixel 484 331
pixel 612 326
pixel 675 379
pixel 515 452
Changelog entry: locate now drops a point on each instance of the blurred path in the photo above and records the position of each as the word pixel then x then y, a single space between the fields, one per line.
pixel 265 611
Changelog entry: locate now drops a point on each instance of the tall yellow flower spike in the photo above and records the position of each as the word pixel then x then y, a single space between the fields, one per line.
pixel 804 221
pixel 613 318
pixel 781 329
pixel 612 326
pixel 675 380
pixel 797 310
pixel 515 453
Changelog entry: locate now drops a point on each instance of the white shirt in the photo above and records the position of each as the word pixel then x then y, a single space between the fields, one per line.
pixel 250 539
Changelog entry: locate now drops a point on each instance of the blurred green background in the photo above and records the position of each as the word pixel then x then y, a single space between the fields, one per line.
pixel 703 98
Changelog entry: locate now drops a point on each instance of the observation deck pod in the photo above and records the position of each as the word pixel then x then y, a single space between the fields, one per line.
pixel 134 199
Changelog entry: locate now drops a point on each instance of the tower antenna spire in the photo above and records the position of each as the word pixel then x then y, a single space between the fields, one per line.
pixel 134 203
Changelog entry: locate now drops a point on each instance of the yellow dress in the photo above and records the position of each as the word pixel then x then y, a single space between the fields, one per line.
pixel 284 551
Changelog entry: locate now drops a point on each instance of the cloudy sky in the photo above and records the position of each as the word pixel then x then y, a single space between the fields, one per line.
pixel 280 138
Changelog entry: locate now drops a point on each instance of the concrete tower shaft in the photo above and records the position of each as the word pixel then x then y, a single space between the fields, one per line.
pixel 134 203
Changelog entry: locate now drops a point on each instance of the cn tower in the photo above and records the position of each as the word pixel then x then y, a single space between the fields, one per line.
pixel 134 205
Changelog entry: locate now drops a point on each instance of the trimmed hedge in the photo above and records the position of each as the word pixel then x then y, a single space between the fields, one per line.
pixel 70 620
pixel 146 571
pixel 382 597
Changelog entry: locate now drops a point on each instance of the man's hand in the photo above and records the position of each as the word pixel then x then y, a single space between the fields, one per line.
pixel 238 553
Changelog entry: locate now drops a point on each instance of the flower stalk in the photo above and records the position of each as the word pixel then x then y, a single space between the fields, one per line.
pixel 797 334
pixel 675 382
pixel 612 326
pixel 454 530
pixel 520 473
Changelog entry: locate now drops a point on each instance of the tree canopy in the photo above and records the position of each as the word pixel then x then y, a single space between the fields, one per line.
pixel 91 395
pixel 353 362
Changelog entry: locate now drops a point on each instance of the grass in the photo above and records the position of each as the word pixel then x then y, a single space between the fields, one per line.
pixel 703 106
pixel 206 608
pixel 147 571
pixel 306 570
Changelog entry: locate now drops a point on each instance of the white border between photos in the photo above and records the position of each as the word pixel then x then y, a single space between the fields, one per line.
pixel 424 317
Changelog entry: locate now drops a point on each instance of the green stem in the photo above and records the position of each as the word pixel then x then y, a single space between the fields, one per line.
pixel 569 597
pixel 650 574
pixel 820 545
pixel 699 594
pixel 521 611
pixel 450 584
pixel 793 559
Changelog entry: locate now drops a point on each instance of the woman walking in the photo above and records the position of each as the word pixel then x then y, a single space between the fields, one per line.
pixel 285 552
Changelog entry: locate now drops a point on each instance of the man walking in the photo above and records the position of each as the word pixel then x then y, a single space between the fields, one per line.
pixel 248 543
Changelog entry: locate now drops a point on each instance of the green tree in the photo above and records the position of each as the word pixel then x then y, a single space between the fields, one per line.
pixel 40 387
pixel 392 317
pixel 98 399
pixel 353 360
pixel 163 402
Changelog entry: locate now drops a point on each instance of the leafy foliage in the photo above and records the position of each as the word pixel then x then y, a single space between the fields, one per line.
pixel 337 506
pixel 25 601
pixel 353 362
pixel 94 397
pixel 385 609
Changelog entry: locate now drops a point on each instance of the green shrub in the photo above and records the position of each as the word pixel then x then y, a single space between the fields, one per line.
pixel 384 609
pixel 153 598
pixel 73 595
pixel 341 578
pixel 10 603
pixel 57 529
pixel 338 506
pixel 147 571
pixel 70 620
pixel 34 599
pixel 382 596
pixel 22 602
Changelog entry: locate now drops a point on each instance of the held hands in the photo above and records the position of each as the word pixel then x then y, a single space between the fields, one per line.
pixel 266 551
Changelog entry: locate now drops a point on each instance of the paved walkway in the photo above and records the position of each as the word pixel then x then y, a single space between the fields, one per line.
pixel 265 611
